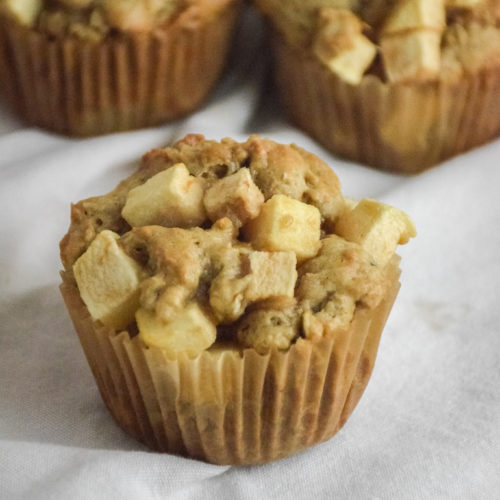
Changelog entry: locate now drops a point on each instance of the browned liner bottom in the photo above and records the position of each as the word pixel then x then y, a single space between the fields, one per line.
pixel 225 408
pixel 127 82
pixel 404 128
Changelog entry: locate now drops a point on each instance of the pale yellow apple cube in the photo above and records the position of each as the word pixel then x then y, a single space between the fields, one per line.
pixel 349 203
pixel 377 227
pixel 341 45
pixel 351 64
pixel 190 332
pixel 273 274
pixel 24 11
pixel 259 275
pixel 409 15
pixel 236 197
pixel 171 198
pixel 285 224
pixel 412 56
pixel 134 15
pixel 108 281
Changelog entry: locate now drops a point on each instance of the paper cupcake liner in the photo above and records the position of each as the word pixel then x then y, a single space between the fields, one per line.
pixel 229 408
pixel 403 128
pixel 128 81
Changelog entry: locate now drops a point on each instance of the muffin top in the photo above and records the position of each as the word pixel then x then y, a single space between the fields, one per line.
pixel 94 19
pixel 251 243
pixel 399 41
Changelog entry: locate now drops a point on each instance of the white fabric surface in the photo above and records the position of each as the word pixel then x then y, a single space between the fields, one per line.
pixel 428 425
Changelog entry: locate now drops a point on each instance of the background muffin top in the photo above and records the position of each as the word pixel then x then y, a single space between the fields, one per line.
pixel 397 40
pixel 94 19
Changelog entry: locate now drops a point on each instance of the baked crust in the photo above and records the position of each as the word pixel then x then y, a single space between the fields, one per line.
pixel 223 269
pixel 275 168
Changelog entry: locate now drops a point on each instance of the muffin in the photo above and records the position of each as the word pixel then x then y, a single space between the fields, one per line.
pixel 230 299
pixel 88 67
pixel 396 84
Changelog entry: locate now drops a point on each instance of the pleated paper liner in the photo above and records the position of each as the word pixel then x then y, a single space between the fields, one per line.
pixel 403 128
pixel 124 82
pixel 225 407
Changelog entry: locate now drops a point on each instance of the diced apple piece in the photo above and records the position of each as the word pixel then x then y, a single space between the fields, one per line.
pixel 409 15
pixel 412 56
pixel 273 274
pixel 190 332
pixel 136 15
pixel 172 198
pixel 24 11
pixel 236 197
pixel 349 203
pixel 108 280
pixel 377 227
pixel 285 224
pixel 411 40
pixel 350 65
pixel 341 45
pixel 260 275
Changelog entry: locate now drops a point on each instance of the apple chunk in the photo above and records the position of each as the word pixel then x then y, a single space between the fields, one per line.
pixel 259 276
pixel 410 40
pixel 377 227
pixel 285 224
pixel 341 45
pixel 412 56
pixel 108 281
pixel 189 332
pixel 25 12
pixel 172 198
pixel 411 15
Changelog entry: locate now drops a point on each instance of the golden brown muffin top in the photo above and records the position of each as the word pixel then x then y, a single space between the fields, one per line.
pixel 250 242
pixel 94 19
pixel 397 40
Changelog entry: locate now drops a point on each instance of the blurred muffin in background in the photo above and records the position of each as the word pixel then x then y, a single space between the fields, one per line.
pixel 88 67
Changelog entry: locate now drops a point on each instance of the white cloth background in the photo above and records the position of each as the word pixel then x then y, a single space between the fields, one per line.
pixel 428 425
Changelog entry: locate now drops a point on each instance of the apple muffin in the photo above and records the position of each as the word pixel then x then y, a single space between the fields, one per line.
pixel 88 67
pixel 230 299
pixel 396 84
